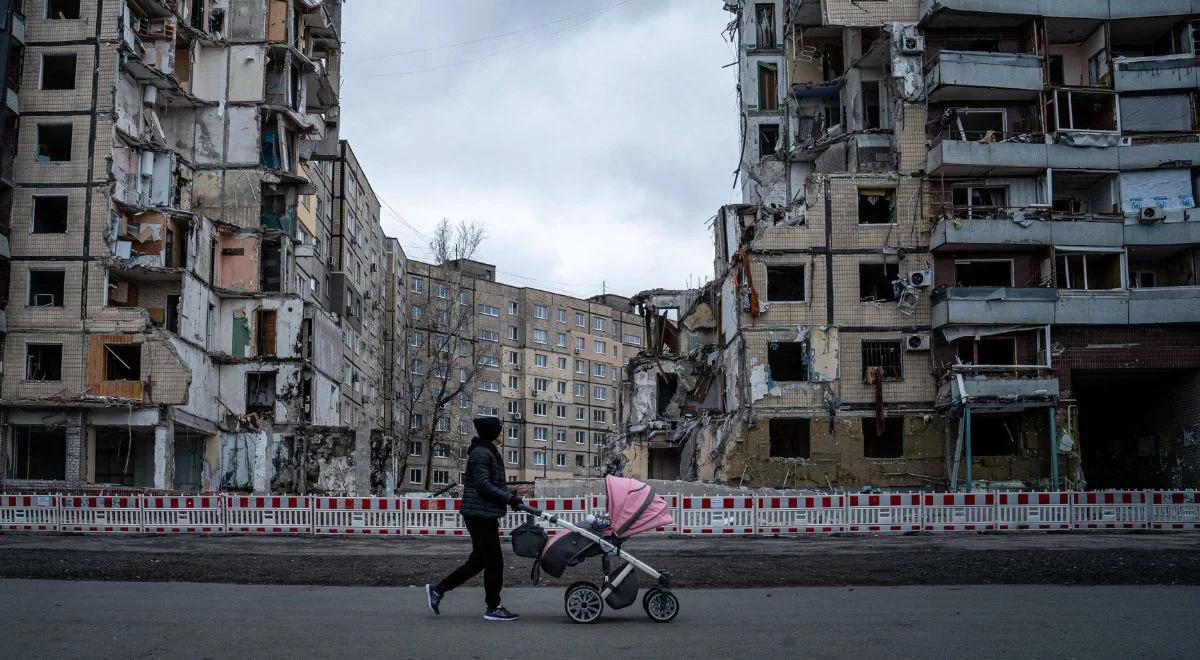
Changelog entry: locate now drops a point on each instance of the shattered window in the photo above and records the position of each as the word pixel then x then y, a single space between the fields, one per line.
pixel 37 452
pixel 788 360
pixel 884 355
pixel 43 362
pixel 888 443
pixel 49 214
pixel 875 281
pixel 62 9
pixel 876 206
pixel 785 284
pixel 789 438
pixel 123 362
pixel 53 142
pixel 46 288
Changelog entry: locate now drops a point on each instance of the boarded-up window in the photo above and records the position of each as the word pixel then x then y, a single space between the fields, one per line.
pixel 789 438
pixel 1156 113
pixel 266 332
pixel 277 12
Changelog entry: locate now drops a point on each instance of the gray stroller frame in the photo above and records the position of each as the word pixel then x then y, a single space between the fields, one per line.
pixel 584 601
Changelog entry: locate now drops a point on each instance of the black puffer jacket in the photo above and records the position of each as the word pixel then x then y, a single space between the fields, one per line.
pixel 484 494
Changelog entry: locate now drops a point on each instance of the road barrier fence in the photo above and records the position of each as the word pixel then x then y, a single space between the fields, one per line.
pixel 763 515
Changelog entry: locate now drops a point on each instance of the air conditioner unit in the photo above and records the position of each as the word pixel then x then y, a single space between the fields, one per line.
pixel 1150 215
pixel 912 44
pixel 917 342
pixel 921 278
pixel 1191 215
pixel 516 416
pixel 578 351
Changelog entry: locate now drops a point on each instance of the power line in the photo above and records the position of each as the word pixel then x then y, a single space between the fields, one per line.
pixel 498 52
pixel 490 37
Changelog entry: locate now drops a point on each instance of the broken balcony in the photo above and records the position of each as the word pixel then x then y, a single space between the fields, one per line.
pixel 976 13
pixel 1153 53
pixel 966 75
pixel 999 384
pixel 994 306
pixel 1029 227
pixel 1138 74
pixel 1028 154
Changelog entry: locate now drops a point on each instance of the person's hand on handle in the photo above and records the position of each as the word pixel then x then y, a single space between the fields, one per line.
pixel 515 502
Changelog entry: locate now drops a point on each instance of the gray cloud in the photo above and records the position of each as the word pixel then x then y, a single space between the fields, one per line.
pixel 595 154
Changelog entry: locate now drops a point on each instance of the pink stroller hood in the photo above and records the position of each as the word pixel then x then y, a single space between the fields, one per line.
pixel 633 507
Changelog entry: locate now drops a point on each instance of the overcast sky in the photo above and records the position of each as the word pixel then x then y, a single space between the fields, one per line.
pixel 594 148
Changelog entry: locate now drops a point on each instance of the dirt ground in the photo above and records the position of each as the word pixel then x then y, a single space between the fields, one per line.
pixel 1068 559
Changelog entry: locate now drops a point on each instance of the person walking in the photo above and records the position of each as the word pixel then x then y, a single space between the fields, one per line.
pixel 484 500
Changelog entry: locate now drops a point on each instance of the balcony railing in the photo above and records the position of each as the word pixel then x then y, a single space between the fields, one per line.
pixel 1137 74
pixel 969 75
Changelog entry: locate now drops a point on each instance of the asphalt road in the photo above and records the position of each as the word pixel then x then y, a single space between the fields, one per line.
pixel 53 619
pixel 1094 558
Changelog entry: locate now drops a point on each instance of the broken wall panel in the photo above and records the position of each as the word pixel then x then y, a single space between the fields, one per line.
pixel 247 68
pixel 246 20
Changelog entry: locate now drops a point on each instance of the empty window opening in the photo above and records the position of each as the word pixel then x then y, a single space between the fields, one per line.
pixel 788 360
pixel 876 206
pixel 768 86
pixel 884 355
pixel 58 71
pixel 123 362
pixel 764 21
pixel 53 142
pixel 875 281
pixel 271 269
pixel 995 435
pixel 785 284
pixel 994 272
pixel 1088 270
pixel 171 314
pixel 49 215
pixel 975 125
pixel 768 139
pixel 1058 74
pixel 668 385
pixel 871 104
pixel 789 438
pixel 62 9
pixel 124 457
pixel 46 288
pixel 43 362
pixel 260 392
pixel 887 442
pixel 979 201
pixel 265 340
pixel 37 452
pixel 987 42
pixel 991 351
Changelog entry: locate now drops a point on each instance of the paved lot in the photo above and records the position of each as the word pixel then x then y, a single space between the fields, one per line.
pixel 1092 558
pixel 182 620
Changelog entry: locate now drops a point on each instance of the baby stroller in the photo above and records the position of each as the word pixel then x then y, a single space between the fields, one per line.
pixel 632 508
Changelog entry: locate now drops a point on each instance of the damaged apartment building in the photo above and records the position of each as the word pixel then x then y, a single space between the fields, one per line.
pixel 172 184
pixel 966 255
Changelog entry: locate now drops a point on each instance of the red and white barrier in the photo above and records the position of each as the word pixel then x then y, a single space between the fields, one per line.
pixel 191 514
pixel 1033 511
pixel 95 514
pixel 367 516
pixel 817 514
pixel 571 509
pixel 716 515
pixel 888 512
pixel 268 514
pixel 29 513
pixel 1109 510
pixel 1175 510
pixel 959 512
pixel 430 516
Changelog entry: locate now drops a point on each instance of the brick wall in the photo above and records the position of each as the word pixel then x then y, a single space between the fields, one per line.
pixel 1117 347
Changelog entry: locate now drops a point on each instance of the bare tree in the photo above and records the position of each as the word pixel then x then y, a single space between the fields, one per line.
pixel 443 359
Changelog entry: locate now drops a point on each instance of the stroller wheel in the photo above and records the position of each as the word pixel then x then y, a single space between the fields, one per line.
pixel 583 602
pixel 660 605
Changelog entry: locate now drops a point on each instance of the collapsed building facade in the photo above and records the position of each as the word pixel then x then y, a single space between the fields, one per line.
pixel 966 252
pixel 171 323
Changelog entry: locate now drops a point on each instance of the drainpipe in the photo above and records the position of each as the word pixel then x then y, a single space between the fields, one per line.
pixel 967 441
pixel 1053 449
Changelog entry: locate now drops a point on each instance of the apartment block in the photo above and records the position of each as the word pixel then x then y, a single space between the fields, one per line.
pixel 171 219
pixel 965 255
pixel 546 364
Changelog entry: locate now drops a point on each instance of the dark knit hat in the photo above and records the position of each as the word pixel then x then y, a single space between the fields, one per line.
pixel 488 428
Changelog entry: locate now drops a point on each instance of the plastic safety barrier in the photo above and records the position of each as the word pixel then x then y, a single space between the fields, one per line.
pixel 431 516
pixel 888 512
pixel 101 514
pixel 1033 511
pixel 29 513
pixel 367 516
pixel 571 509
pixel 959 512
pixel 1109 510
pixel 716 515
pixel 198 514
pixel 1175 510
pixel 818 514
pixel 268 514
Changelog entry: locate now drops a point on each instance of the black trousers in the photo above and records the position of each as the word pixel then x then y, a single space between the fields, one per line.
pixel 485 556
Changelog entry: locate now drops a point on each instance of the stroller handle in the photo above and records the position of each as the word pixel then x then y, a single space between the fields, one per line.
pixel 528 509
